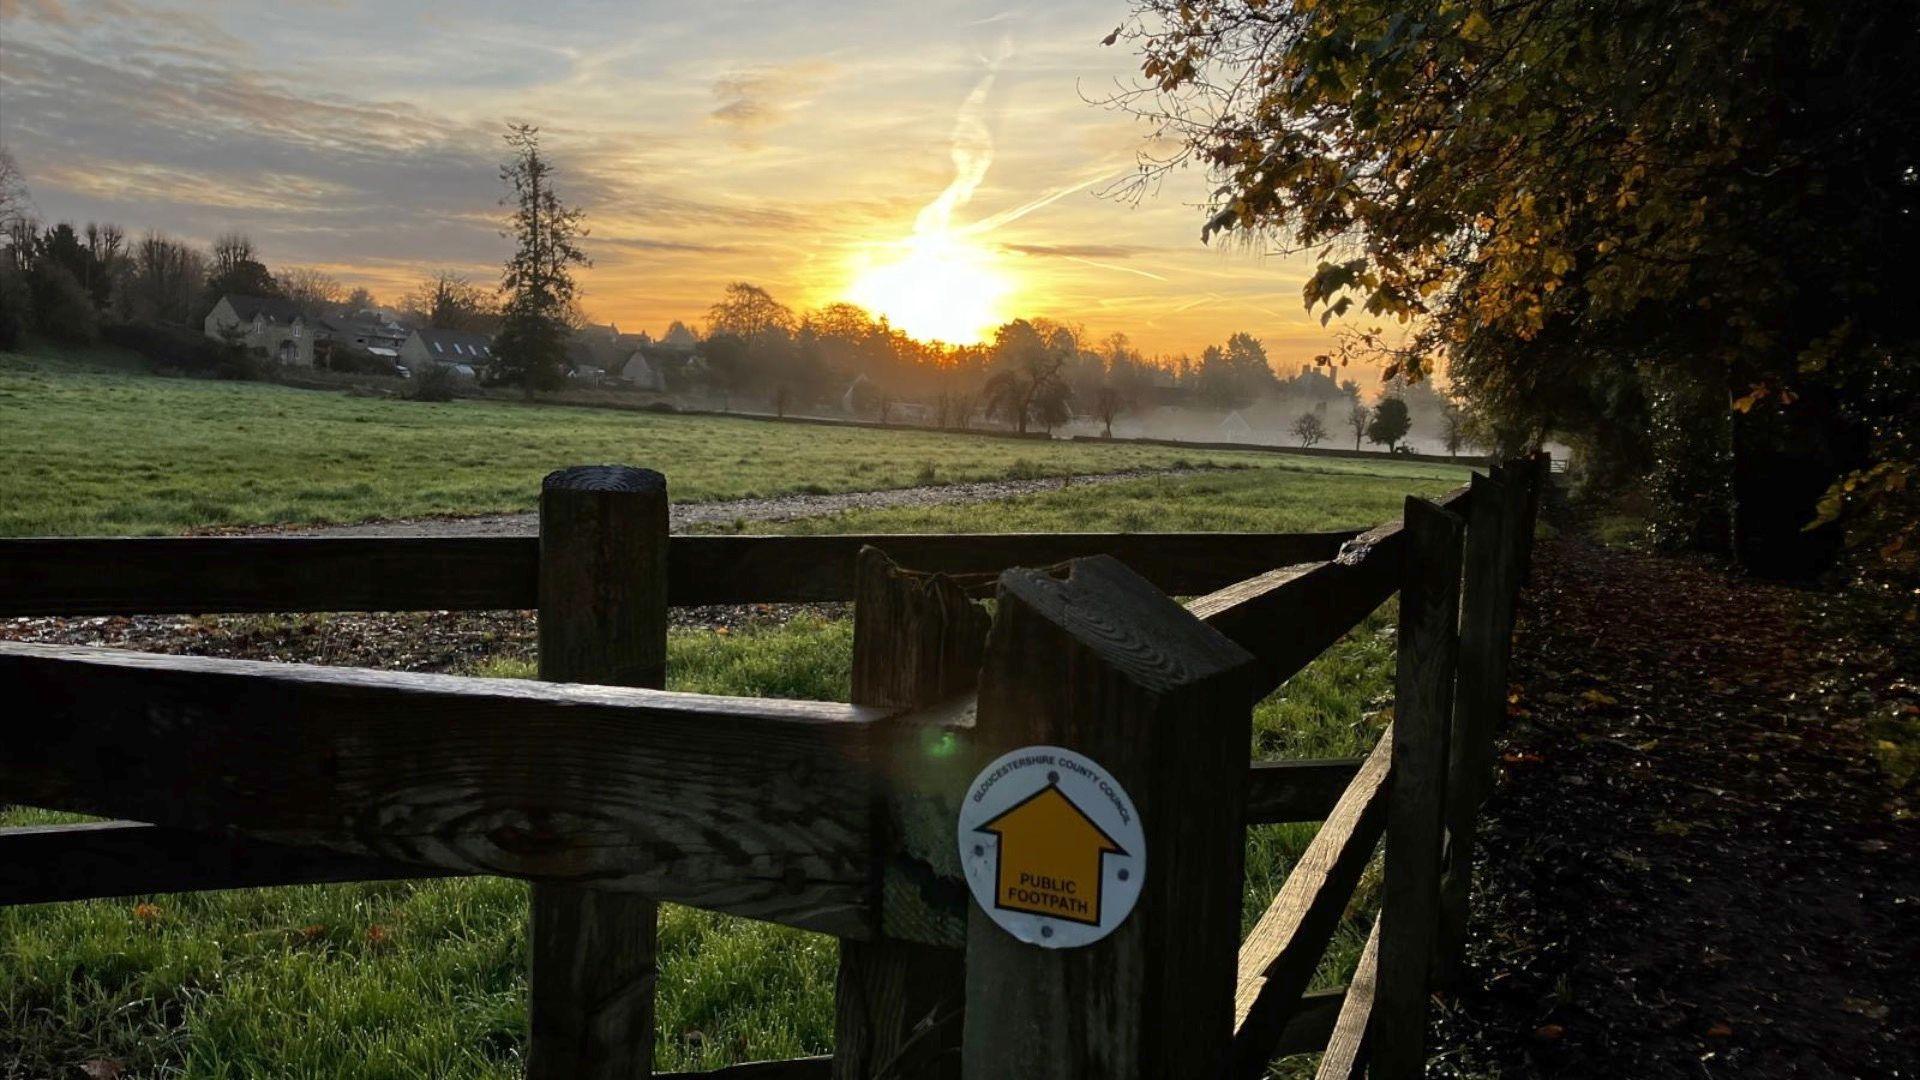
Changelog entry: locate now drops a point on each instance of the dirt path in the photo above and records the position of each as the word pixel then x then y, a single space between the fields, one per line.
pixel 772 509
pixel 1694 865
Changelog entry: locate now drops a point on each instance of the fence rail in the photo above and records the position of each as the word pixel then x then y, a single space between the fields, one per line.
pixel 610 794
pixel 240 574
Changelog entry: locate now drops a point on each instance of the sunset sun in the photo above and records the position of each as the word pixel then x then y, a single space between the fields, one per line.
pixel 938 287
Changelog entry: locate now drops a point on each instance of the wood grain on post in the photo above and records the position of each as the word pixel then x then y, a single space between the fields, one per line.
pixel 1102 663
pixel 1346 1055
pixel 917 640
pixel 603 619
pixel 1480 698
pixel 749 806
pixel 1429 642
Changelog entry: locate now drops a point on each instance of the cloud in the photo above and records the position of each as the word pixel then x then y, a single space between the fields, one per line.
pixel 752 100
pixel 650 245
pixel 364 138
pixel 1079 251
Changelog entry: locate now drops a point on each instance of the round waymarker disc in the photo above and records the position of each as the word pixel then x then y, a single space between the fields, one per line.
pixel 1052 847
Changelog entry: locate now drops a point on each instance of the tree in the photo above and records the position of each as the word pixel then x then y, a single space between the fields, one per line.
pixel 16 203
pixel 82 259
pixel 313 291
pixel 1560 199
pixel 1357 417
pixel 166 279
pixel 1453 421
pixel 678 336
pixel 449 301
pixel 1236 375
pixel 235 271
pixel 537 282
pixel 360 299
pixel 1390 423
pixel 16 305
pixel 750 313
pixel 230 251
pixel 773 359
pixel 106 261
pixel 1309 429
pixel 1109 401
pixel 1027 385
pixel 62 308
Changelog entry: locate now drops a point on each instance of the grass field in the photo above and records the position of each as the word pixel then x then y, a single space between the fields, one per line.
pixel 91 444
pixel 405 980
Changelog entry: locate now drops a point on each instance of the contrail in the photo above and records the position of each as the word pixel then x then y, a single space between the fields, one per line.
pixel 1116 269
pixel 972 154
pixel 1007 217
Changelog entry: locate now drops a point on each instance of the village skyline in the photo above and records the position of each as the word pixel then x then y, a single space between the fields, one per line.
pixel 700 158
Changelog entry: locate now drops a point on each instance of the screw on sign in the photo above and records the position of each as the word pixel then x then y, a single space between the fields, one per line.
pixel 1052 847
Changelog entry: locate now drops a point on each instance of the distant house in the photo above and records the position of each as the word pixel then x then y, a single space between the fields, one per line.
pixel 456 348
pixel 1235 427
pixel 366 331
pixel 596 348
pixel 679 338
pixel 641 375
pixel 268 326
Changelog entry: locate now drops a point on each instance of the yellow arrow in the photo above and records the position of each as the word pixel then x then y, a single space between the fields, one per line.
pixel 1050 857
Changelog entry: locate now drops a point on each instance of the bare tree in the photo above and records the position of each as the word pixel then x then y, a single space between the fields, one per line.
pixel 1357 418
pixel 166 279
pixel 449 301
pixel 1454 432
pixel 15 202
pixel 230 250
pixel 1109 402
pixel 1309 429
pixel 313 290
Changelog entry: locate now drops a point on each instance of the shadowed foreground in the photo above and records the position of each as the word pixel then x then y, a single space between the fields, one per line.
pixel 1695 864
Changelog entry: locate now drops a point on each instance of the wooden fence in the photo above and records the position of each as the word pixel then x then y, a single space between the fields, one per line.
pixel 611 794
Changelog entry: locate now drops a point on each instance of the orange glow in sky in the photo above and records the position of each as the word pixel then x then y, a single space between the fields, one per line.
pixel 937 288
pixel 941 166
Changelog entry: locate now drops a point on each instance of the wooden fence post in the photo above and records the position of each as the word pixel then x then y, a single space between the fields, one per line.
pixel 1422 708
pixel 1534 472
pixel 603 620
pixel 1104 664
pixel 917 640
pixel 1480 697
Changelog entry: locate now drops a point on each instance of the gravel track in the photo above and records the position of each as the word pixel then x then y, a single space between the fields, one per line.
pixel 776 508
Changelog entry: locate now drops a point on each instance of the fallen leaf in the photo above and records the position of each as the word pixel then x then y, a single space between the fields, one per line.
pixel 1549 1032
pixel 103 1068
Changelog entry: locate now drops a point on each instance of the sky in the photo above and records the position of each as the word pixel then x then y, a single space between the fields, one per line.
pixel 944 160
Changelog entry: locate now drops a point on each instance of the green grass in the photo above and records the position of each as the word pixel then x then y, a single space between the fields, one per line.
pixel 90 444
pixel 426 979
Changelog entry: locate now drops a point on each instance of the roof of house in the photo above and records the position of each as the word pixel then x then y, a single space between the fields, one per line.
pixel 455 346
pixel 276 308
pixel 355 324
pixel 592 350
